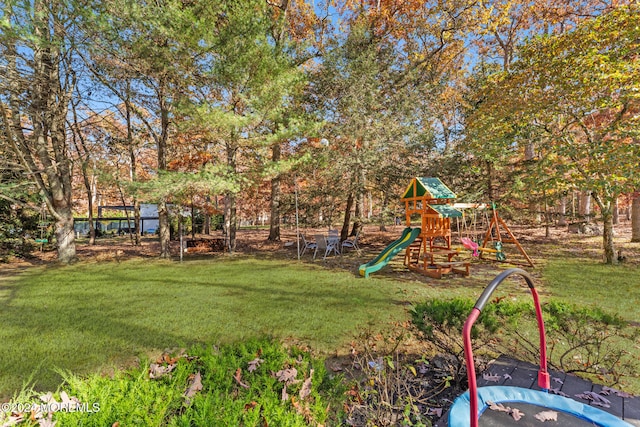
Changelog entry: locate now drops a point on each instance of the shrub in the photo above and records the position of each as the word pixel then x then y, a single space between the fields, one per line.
pixel 251 384
pixel 579 340
pixel 393 388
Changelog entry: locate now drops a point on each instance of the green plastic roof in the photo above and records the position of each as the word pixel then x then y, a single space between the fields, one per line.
pixel 433 188
pixel 446 211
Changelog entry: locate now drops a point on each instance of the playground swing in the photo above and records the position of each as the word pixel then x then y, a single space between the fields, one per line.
pixel 43 224
pixel 468 241
pixel 493 236
pixel 497 248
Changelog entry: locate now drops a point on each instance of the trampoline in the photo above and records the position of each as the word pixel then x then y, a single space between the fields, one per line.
pixel 502 405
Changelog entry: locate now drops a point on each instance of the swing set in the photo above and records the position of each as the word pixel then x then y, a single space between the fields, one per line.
pixel 497 233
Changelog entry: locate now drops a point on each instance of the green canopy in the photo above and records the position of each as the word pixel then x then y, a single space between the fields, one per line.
pixel 446 211
pixel 432 188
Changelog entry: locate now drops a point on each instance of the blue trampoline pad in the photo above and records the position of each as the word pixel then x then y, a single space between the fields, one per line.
pixel 529 402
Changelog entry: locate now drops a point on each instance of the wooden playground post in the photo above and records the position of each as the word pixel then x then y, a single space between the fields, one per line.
pixel 497 222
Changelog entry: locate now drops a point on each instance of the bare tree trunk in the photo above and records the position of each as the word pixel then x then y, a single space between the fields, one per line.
pixel 616 213
pixel 65 235
pixel 607 238
pixel 385 205
pixel 276 194
pixel 563 211
pixel 585 205
pixel 133 176
pixel 136 219
pixel 635 218
pixel 607 228
pixel 231 220
pixel 357 216
pixel 163 229
pixel 344 233
pixel 547 216
pixel 193 220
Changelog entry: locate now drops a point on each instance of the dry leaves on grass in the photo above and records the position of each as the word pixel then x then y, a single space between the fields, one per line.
pixel 238 377
pixel 287 376
pixel 42 415
pixel 166 363
pixel 195 385
pixel 254 364
pixel 305 390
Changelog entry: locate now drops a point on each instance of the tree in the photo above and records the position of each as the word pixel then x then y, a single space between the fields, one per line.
pixel 379 83
pixel 144 51
pixel 38 79
pixel 578 90
pixel 247 100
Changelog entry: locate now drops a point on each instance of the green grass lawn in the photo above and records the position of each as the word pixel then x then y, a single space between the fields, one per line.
pixel 92 317
pixel 614 289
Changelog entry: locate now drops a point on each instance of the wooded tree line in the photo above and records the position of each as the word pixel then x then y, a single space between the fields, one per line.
pixel 232 105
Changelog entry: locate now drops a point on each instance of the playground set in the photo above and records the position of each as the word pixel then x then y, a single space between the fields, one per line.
pixel 428 248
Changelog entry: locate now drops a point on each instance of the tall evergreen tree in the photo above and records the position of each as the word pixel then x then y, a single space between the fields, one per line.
pixel 37 43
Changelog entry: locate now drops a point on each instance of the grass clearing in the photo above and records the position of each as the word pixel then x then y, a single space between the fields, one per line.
pixel 612 288
pixel 99 316
pixel 91 316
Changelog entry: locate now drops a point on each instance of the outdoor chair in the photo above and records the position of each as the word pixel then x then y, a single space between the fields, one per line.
pixel 334 239
pixel 351 243
pixel 306 245
pixel 324 244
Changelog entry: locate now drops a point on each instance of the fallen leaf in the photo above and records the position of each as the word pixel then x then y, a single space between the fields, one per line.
pixel 285 395
pixel 498 407
pixel 507 377
pixel 595 398
pixel 435 411
pixel 194 387
pixel 254 364
pixel 603 405
pixel 157 370
pixel 250 405
pixel 546 416
pixel 302 408
pixel 516 414
pixel 558 380
pixel 305 390
pixel 354 393
pixel 491 377
pixel 47 422
pixel 116 424
pixel 287 376
pixel 14 418
pixel 238 378
pixel 47 398
pixel 558 392
pixel 608 390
